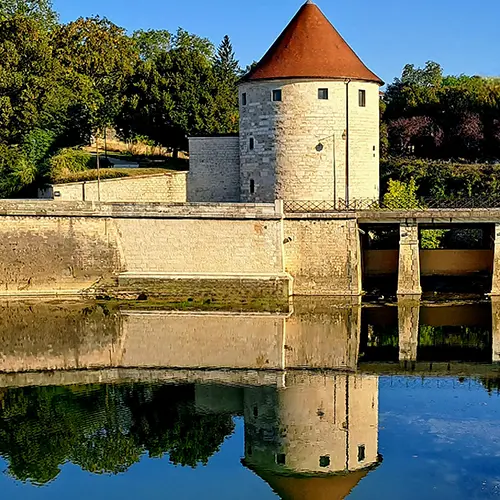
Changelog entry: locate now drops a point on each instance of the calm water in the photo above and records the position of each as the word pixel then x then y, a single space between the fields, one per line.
pixel 330 402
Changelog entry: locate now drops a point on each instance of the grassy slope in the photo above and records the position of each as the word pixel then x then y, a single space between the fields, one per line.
pixel 170 165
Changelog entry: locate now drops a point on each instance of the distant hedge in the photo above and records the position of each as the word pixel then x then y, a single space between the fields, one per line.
pixel 441 179
pixel 69 161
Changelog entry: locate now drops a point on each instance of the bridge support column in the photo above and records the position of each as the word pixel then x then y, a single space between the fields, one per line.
pixel 495 286
pixel 409 260
pixel 408 322
pixel 495 330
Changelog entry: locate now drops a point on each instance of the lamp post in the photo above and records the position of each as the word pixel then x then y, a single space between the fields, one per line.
pixel 319 148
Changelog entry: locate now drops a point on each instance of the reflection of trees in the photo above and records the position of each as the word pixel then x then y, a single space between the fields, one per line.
pixel 103 429
pixel 491 384
pixel 459 336
pixel 168 423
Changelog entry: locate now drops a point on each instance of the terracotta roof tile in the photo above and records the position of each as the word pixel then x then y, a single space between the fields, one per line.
pixel 310 47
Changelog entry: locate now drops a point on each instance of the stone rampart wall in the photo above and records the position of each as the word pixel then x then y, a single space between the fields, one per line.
pixel 323 256
pixel 42 252
pixel 214 169
pixel 168 187
pixel 207 246
pixel 57 246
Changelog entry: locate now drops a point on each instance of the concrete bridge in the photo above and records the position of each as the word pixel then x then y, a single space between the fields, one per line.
pixel 408 262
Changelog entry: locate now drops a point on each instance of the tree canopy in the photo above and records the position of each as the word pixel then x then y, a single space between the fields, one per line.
pixel 431 115
pixel 39 10
pixel 61 84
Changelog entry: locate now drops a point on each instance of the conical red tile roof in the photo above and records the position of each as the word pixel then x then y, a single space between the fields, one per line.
pixel 310 47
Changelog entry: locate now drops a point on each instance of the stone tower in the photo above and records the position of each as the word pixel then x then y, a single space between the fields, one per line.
pixel 309 126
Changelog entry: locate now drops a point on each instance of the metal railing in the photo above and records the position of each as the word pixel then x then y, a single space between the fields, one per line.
pixel 366 204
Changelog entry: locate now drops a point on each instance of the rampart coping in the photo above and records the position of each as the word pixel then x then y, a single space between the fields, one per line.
pixel 50 208
pixel 57 208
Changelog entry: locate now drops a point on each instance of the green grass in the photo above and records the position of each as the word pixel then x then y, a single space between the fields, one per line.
pixel 110 173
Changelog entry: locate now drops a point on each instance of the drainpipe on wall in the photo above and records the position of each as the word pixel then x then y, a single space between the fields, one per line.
pixel 347 142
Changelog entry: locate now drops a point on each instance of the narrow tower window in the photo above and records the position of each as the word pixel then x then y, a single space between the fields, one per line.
pixel 277 95
pixel 323 94
pixel 252 191
pixel 251 143
pixel 244 99
pixel 281 459
pixel 362 98
pixel 324 461
pixel 361 453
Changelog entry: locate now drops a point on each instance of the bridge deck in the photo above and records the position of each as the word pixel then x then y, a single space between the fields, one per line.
pixel 427 216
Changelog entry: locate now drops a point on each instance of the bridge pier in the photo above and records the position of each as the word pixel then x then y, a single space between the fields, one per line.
pixel 409 259
pixel 495 328
pixel 495 285
pixel 408 324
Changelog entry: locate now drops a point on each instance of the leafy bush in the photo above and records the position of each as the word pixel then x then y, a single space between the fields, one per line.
pixel 70 161
pixel 443 180
pixel 432 239
pixel 401 195
pixel 16 170
pixel 37 145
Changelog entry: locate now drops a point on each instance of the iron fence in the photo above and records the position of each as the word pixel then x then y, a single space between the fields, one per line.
pixel 366 204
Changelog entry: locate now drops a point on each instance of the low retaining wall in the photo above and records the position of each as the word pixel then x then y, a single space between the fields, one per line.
pixel 161 188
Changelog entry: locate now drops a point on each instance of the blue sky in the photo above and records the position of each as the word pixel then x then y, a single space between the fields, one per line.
pixel 462 35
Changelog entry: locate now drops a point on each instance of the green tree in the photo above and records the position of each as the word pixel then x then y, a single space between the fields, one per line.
pixel 16 170
pixel 28 77
pixel 39 10
pixel 227 73
pixel 152 43
pixel 97 56
pixel 177 95
pixel 431 115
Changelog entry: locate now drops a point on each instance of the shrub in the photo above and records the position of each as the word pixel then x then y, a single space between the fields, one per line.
pixel 443 180
pixel 401 195
pixel 37 145
pixel 432 239
pixel 69 161
pixel 16 170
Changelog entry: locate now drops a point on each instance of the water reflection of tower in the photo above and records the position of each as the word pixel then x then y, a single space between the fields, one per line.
pixel 320 427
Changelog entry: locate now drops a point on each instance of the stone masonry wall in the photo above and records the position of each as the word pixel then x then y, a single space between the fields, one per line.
pixel 168 187
pixel 323 256
pixel 70 246
pixel 285 162
pixel 409 260
pixel 214 169
pixel 201 246
pixel 55 253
